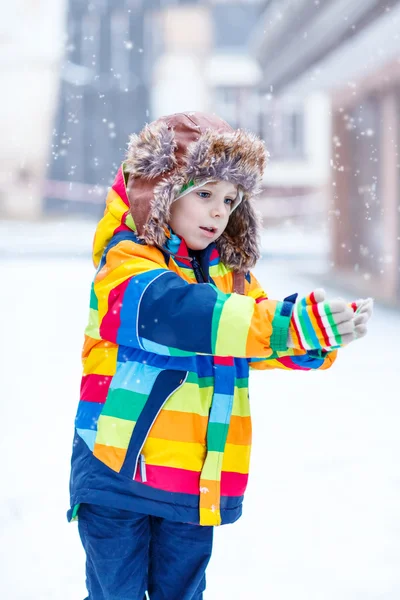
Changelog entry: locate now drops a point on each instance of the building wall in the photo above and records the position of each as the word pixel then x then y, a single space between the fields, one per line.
pixel 366 184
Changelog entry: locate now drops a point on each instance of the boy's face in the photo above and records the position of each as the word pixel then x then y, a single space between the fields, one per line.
pixel 204 208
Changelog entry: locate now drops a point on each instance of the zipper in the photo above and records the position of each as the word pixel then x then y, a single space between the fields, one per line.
pixel 143 468
pixel 198 271
pixel 154 420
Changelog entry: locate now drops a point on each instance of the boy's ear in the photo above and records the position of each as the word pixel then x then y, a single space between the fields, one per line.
pixel 152 152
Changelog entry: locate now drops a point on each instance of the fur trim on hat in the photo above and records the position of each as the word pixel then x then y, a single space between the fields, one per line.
pixel 239 245
pixel 152 152
pixel 236 156
pixel 164 195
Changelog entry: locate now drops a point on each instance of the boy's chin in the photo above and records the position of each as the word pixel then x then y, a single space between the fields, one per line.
pixel 196 245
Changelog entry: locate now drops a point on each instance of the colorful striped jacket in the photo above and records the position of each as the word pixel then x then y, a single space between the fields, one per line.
pixel 163 424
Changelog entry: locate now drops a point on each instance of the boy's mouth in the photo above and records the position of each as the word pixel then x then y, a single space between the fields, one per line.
pixel 211 229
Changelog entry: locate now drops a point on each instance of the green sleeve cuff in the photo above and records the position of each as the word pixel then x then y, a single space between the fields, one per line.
pixel 280 327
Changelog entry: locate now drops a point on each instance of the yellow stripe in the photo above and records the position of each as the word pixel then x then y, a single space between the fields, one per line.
pixel 126 268
pixel 103 235
pixel 116 207
pixel 112 431
pixel 234 326
pixel 236 458
pixel 102 361
pixel 191 399
pixel 256 293
pixel 187 274
pixel 168 453
pixel 209 517
pixel 219 270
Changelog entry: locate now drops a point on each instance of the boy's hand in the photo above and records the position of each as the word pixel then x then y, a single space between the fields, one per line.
pixel 319 324
pixel 362 313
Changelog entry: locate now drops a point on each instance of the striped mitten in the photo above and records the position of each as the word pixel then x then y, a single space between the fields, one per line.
pixel 318 324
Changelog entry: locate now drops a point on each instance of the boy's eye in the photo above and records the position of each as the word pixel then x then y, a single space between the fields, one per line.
pixel 206 194
pixel 230 200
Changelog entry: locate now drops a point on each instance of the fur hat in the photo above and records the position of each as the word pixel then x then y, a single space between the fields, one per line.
pixel 175 150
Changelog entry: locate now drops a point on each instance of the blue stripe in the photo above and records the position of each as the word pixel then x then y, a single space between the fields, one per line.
pixel 181 363
pixel 177 314
pixel 224 379
pixel 242 367
pixel 204 366
pixel 127 332
pixel 88 436
pixel 88 414
pixel 137 377
pixel 308 361
pixel 221 409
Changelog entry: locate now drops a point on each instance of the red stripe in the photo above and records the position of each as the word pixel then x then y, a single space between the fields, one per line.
pixel 119 186
pixel 233 484
pixel 226 361
pixel 94 388
pixel 354 306
pixel 320 324
pixel 214 254
pixel 288 362
pixel 182 481
pixel 112 319
pixel 122 228
pixel 169 479
pixel 312 298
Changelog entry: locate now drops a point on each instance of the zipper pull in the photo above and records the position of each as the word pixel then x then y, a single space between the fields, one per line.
pixel 198 270
pixel 143 468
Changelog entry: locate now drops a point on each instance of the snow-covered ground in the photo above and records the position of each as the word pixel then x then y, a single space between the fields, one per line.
pixel 321 515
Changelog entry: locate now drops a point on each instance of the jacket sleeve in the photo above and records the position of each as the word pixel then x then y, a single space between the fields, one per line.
pixel 141 303
pixel 295 360
pixel 289 358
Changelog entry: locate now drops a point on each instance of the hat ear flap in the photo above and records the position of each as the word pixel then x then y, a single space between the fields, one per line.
pixel 239 244
pixel 152 152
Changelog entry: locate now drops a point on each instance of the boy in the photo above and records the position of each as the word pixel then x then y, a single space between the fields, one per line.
pixel 163 432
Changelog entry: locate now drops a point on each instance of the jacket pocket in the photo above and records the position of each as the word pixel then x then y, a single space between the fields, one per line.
pixel 164 386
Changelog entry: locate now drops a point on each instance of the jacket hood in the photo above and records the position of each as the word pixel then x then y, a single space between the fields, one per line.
pixel 181 148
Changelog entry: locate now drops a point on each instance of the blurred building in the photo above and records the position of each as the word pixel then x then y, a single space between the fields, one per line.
pixel 201 60
pixel 103 97
pixel 350 52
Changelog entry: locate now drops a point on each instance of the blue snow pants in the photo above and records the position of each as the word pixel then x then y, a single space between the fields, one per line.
pixel 128 553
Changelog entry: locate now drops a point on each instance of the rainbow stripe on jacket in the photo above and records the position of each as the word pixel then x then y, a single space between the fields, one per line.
pixel 163 424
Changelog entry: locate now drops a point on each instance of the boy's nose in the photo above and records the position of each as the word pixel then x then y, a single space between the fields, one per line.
pixel 218 211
